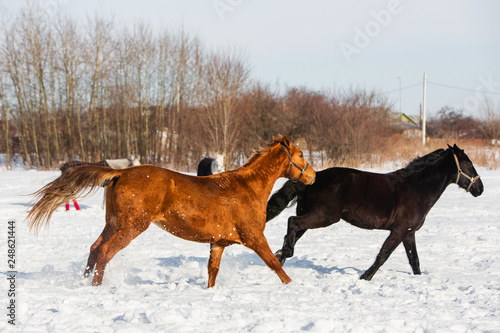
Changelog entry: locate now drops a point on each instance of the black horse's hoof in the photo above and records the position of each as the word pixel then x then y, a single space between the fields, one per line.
pixel 280 257
pixel 366 277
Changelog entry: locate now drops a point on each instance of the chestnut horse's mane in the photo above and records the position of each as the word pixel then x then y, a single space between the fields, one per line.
pixel 264 151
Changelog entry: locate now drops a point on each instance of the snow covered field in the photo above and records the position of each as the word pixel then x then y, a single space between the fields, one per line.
pixel 158 283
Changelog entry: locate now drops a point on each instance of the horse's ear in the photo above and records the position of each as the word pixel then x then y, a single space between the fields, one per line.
pixel 457 148
pixel 449 147
pixel 285 141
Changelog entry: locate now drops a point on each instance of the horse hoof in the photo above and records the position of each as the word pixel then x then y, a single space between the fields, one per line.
pixel 281 258
pixel 366 277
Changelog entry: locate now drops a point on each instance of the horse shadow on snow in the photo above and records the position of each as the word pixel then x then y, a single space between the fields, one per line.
pixel 248 259
pixel 72 278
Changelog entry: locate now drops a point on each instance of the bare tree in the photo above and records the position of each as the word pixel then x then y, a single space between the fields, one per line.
pixel 97 53
pixel 453 123
pixel 5 107
pixel 15 61
pixel 224 76
pixel 69 62
pixel 162 92
pixel 262 111
pixel 491 114
pixel 351 126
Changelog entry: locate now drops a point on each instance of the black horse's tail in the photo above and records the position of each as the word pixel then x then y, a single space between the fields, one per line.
pixel 286 196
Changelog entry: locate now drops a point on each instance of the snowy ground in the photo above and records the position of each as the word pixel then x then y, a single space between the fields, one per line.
pixel 158 283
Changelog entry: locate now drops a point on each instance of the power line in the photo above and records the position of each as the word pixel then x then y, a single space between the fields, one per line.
pixel 459 88
pixel 441 85
pixel 404 88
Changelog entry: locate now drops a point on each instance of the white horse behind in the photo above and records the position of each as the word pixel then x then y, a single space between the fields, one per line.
pixel 219 165
pixel 119 164
pixel 123 163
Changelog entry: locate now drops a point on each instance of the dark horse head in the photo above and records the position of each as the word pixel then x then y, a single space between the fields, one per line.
pixel 467 177
pixel 207 167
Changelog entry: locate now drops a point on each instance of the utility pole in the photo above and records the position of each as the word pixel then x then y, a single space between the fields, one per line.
pixel 423 109
pixel 400 108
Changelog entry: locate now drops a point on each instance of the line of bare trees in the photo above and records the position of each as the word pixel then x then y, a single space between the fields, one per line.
pixel 93 90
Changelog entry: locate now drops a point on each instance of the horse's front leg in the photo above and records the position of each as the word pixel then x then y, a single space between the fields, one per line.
pixel 214 263
pixel 411 252
pixel 279 254
pixel 395 238
pixel 297 226
pixel 258 243
pixel 290 239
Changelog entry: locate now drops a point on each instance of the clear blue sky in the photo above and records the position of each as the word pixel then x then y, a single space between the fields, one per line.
pixel 340 43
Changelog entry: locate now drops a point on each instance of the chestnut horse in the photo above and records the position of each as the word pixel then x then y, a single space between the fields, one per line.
pixel 398 201
pixel 223 209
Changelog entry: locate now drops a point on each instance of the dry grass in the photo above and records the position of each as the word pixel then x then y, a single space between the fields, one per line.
pixel 398 151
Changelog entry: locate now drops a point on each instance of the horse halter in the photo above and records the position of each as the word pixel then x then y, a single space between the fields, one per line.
pixel 472 180
pixel 293 164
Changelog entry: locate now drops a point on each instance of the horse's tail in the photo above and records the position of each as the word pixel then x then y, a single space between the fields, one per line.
pixel 64 166
pixel 75 183
pixel 285 197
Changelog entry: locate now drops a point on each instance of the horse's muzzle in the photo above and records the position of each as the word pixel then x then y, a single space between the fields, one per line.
pixel 311 178
pixel 477 188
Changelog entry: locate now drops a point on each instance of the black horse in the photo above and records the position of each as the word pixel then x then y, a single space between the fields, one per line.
pixel 398 201
pixel 207 167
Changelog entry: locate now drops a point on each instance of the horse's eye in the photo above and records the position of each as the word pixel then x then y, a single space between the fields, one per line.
pixel 301 156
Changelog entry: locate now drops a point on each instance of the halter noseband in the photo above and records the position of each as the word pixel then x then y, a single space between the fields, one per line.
pixel 472 180
pixel 293 164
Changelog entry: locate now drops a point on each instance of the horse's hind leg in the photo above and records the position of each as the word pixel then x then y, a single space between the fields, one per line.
pixel 92 257
pixel 214 263
pixel 94 249
pixel 411 252
pixel 109 248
